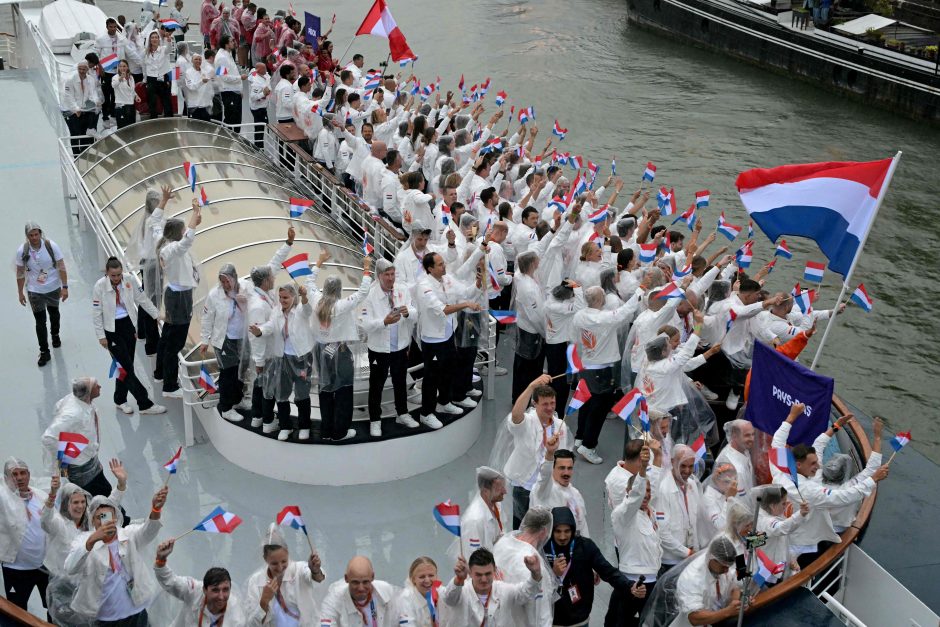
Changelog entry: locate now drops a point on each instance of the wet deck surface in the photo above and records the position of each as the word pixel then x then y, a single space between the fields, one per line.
pixel 390 523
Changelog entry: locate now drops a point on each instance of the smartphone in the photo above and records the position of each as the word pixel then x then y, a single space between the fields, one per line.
pixel 106 517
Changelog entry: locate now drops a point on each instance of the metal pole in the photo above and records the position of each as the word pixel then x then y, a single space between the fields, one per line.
pixel 346 50
pixel 848 277
pixel 750 560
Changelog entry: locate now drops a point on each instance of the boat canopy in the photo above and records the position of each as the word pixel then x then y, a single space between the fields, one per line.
pixel 247 215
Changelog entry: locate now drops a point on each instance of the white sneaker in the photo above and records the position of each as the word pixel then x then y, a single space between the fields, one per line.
pixel 708 394
pixel 232 415
pixel 153 409
pixel 406 420
pixel 256 422
pixel 499 371
pixel 283 434
pixel 375 429
pixel 349 434
pixel 590 455
pixel 732 402
pixel 303 434
pixel 431 422
pixel 449 408
pixel 577 444
pixel 467 403
pixel 475 393
pixel 173 394
pixel 244 404
pixel 127 408
pixel 271 427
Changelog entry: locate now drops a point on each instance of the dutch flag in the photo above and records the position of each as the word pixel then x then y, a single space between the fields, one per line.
pixel 727 229
pixel 698 447
pixel 109 63
pixel 169 24
pixel 500 98
pixel 649 173
pixel 814 271
pixel 861 298
pixel 688 217
pixel 290 517
pixel 744 255
pixel 298 206
pixel 625 406
pixel 574 360
pixel 558 131
pixel 671 290
pixel 298 265
pixel 702 198
pixel 783 250
pixel 507 316
pixel 219 521
pixel 190 170
pixel 648 253
pixel 900 440
pixel 173 465
pixel 782 459
pixel 206 382
pixel 581 395
pixel 600 215
pixel 448 515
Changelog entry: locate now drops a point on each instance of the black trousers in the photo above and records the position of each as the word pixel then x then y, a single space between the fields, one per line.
pixel 80 125
pixel 336 409
pixel 137 620
pixel 230 386
pixel 520 505
pixel 199 113
pixel 624 609
pixel 380 364
pixel 159 89
pixel 39 314
pixel 591 418
pixel 261 407
pixel 231 107
pixel 107 90
pixel 171 343
pixel 462 379
pixel 149 331
pixel 18 585
pixel 439 361
pixel 303 413
pixel 259 116
pixel 125 115
pixel 556 358
pixel 525 371
pixel 122 342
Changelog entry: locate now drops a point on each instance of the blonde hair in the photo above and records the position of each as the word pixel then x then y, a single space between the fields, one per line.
pixel 421 561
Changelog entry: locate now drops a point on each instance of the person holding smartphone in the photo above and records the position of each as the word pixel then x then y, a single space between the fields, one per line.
pixel 117 582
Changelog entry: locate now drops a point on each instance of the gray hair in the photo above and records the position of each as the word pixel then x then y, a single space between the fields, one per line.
pixel 737 517
pixel 291 289
pixel 383 265
pixel 527 262
pixel 537 520
pixel 722 550
pixel 625 225
pixel 82 387
pixel 259 274
pixel 332 291
pixel 152 200
pixel 182 48
pixel 11 464
pixel 487 476
pixel 594 297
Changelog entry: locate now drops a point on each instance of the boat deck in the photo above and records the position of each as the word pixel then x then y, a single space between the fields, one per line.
pixel 390 523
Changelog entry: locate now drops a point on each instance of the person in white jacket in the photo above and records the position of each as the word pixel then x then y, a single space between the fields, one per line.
pixel 290 368
pixel 208 602
pixel 180 277
pixel 720 489
pixel 482 522
pixel 259 93
pixel 679 496
pixel 334 320
pixel 419 602
pixel 359 598
pixel 283 592
pixel 514 555
pixel 22 539
pixel 773 521
pixel 125 96
pixel 116 298
pixel 739 434
pixel 116 583
pixel 707 585
pixel 553 488
pixel 560 304
pixel 200 89
pixel 528 300
pixel 489 600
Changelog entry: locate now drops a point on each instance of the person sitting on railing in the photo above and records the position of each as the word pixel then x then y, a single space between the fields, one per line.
pixel 180 278
pixel 388 320
pixel 334 325
pixel 22 539
pixel 290 369
pixel 817 534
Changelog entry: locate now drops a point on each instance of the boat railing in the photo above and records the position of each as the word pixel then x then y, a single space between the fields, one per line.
pixel 55 68
pixel 7 49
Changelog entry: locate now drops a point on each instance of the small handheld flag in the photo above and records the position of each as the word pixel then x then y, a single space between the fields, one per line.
pixel 814 271
pixel 727 229
pixel 504 317
pixel 600 215
pixel 298 206
pixel 783 250
pixel 649 173
pixel 750 229
pixel 648 253
pixel 558 131
pixel 783 460
pixel 206 382
pixel 574 360
pixel 70 446
pixel 668 202
pixel 448 515
pixel 671 290
pixel 221 71
pixel 625 406
pixel 768 571
pixel 109 63
pixel 744 255
pixel 683 272
pixel 203 199
pixel 732 316
pixel 644 416
pixel 698 447
pixel 298 265
pixel 861 298
pixel 803 299
pixel 770 266
pixel 170 24
pixel 688 217
pixel 290 517
pixel 900 440
pixel 219 521
pixel 500 98
pixel 190 170
pixel 116 371
pixel 702 198
pixel 367 247
pixel 613 167
pixel 172 466
pixel 581 395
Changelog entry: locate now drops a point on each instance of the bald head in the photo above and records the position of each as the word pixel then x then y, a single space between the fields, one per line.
pixel 359 576
pixel 379 149
pixel 261 68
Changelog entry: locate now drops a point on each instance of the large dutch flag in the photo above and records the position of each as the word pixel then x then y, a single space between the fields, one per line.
pixel 833 203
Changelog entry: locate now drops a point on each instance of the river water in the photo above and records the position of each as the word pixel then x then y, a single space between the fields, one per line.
pixel 702 118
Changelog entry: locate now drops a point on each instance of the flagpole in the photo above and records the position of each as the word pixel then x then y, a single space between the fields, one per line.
pixel 848 277
pixel 891 458
pixel 309 542
pixel 346 50
pixel 167 480
pixel 177 539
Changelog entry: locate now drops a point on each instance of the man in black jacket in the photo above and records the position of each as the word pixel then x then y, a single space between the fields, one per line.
pixel 577 561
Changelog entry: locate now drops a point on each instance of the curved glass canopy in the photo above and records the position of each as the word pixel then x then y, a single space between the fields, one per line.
pixel 246 219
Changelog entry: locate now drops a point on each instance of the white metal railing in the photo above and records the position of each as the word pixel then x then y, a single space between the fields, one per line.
pixel 7 48
pixel 54 67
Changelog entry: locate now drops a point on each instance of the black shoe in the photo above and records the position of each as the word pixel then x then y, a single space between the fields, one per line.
pixel 157 376
pixel 56 341
pixel 44 358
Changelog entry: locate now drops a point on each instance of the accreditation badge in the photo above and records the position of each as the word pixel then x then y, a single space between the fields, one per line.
pixel 574 593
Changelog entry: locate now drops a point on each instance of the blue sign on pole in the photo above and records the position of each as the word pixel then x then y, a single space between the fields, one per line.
pixel 312 30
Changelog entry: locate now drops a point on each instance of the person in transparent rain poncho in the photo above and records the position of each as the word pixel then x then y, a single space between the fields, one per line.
pixel 419 602
pixel 668 389
pixel 773 520
pixel 679 497
pixel 290 338
pixel 145 255
pixel 718 491
pixel 334 324
pixel 695 591
pixel 283 592
pixel 22 539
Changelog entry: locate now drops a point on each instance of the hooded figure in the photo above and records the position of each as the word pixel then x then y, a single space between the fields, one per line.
pixel 22 540
pixel 839 471
pixel 574 560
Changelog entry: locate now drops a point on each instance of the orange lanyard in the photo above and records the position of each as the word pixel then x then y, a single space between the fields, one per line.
pixel 202 611
pixel 495 509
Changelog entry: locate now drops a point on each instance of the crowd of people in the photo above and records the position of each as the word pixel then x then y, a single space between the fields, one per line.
pixel 596 298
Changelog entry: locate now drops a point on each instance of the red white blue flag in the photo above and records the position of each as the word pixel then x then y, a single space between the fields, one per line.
pixel 206 382
pixel 861 298
pixel 574 360
pixel 581 395
pixel 448 515
pixel 290 517
pixel 190 170
pixel 727 229
pixel 298 265
pixel 783 250
pixel 173 465
pixel 219 521
pixel 649 173
pixel 70 446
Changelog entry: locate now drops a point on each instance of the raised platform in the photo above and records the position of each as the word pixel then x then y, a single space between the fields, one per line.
pixel 355 462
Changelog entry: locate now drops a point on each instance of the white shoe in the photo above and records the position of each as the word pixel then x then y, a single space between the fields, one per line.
pixel 303 434
pixel 349 434
pixel 271 427
pixel 449 408
pixel 406 420
pixel 476 378
pixel 467 403
pixel 127 408
pixel 475 393
pixel 283 434
pixel 244 404
pixel 375 429
pixel 173 394
pixel 590 455
pixel 256 422
pixel 577 444
pixel 153 409
pixel 431 422
pixel 499 371
pixel 732 402
pixel 708 394
pixel 232 415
